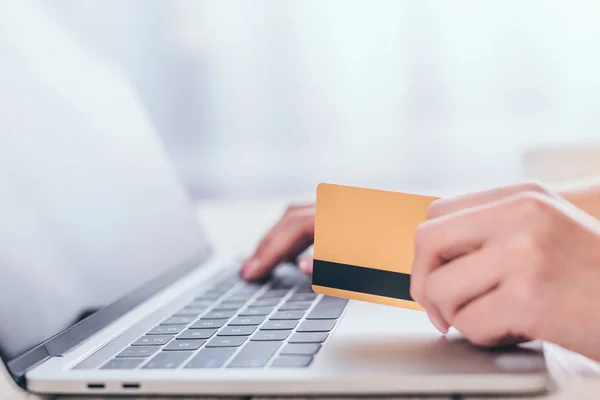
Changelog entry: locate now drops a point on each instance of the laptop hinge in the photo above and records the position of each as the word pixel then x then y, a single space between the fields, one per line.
pixel 19 366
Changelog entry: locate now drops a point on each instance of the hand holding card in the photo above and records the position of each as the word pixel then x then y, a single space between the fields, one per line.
pixel 364 243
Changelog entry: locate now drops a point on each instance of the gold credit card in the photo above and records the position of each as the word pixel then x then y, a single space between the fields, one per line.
pixel 364 243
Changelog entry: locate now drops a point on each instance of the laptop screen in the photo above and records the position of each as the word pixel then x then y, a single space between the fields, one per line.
pixel 90 208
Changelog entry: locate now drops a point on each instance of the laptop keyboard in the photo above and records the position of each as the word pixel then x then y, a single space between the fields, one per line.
pixel 280 323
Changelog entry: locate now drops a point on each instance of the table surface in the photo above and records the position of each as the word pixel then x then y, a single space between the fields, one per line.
pixel 574 376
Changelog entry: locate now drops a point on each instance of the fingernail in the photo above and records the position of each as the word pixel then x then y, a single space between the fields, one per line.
pixel 438 325
pixel 249 267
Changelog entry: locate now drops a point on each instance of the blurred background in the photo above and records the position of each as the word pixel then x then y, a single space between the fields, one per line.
pixel 268 98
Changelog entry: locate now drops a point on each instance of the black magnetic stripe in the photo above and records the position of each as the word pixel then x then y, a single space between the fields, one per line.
pixel 360 279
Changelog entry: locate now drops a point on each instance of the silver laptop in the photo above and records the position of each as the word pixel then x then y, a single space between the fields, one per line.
pixel 108 285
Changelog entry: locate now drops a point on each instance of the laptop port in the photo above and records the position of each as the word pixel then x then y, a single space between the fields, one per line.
pixel 131 386
pixel 95 385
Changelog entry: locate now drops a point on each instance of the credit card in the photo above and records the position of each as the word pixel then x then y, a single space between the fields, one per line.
pixel 364 243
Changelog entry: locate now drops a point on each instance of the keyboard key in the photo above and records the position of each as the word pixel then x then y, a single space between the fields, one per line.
pixel 168 359
pixel 282 285
pixel 271 301
pixel 246 292
pixel 211 358
pixel 190 311
pixel 182 345
pixel 270 335
pixel 218 315
pixel 303 297
pixel 279 325
pixel 292 361
pixel 123 363
pixel 178 320
pixel 287 315
pixel 301 349
pixel 237 331
pixel 316 337
pixel 201 303
pixel 328 308
pixel 295 305
pixel 305 289
pixel 227 341
pixel 247 321
pixel 167 329
pixel 231 305
pixel 289 281
pixel 238 297
pixel 139 351
pixel 285 269
pixel 255 355
pixel 194 334
pixel 274 293
pixel 248 288
pixel 208 324
pixel 153 340
pixel 250 285
pixel 317 326
pixel 255 311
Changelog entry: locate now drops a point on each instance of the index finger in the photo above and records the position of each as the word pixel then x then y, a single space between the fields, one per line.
pixel 288 238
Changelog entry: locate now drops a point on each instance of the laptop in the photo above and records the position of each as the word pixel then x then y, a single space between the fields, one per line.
pixel 108 284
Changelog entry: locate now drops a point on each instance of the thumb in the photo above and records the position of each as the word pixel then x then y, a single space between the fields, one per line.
pixel 306 265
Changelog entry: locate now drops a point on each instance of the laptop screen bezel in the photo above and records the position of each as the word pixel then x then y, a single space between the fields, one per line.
pixel 76 334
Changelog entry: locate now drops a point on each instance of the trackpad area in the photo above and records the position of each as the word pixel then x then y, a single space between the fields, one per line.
pixel 390 340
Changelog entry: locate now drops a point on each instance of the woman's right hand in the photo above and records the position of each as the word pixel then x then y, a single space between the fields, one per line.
pixel 290 236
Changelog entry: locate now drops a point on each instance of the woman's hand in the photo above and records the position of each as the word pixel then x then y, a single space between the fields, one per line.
pixel 509 265
pixel 293 234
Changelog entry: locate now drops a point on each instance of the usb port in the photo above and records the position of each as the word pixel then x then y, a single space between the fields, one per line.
pixel 95 385
pixel 131 386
